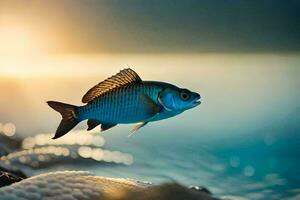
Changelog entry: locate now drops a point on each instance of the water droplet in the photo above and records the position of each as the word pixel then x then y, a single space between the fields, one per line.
pixel 249 170
pixel 9 129
pixel 234 161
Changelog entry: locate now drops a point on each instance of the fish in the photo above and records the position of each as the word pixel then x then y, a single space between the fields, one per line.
pixel 125 98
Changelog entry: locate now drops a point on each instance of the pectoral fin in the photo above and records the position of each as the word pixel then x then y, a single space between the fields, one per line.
pixel 104 127
pixel 152 108
pixel 137 127
pixel 92 124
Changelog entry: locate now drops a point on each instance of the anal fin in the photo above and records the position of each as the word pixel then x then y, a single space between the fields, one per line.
pixel 92 124
pixel 137 127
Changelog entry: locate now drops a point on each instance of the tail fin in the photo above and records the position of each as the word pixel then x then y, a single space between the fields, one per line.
pixel 68 121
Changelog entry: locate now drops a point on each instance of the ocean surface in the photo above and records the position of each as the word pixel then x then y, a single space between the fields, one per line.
pixel 243 140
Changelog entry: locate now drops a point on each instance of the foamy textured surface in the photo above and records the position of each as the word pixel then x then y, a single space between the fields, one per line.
pixel 79 185
pixel 67 185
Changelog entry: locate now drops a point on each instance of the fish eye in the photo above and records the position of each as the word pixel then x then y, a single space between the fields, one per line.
pixel 184 95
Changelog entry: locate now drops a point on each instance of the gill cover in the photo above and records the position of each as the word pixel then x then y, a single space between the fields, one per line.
pixel 166 99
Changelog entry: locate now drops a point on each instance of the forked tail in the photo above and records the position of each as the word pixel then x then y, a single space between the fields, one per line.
pixel 69 119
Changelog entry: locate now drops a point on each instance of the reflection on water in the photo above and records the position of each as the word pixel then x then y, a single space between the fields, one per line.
pixel 73 139
pixel 242 140
pixel 40 151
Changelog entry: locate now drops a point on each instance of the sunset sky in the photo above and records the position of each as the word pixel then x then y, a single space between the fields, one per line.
pixel 60 48
pixel 141 26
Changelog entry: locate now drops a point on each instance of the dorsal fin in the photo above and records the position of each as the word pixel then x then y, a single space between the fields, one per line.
pixel 124 77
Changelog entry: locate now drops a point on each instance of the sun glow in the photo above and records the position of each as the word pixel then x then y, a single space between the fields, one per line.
pixel 20 46
pixel 18 40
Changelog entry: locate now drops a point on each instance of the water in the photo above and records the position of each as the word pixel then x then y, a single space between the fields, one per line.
pixel 242 140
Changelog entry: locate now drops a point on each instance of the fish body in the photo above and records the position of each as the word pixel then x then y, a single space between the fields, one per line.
pixel 123 99
pixel 125 105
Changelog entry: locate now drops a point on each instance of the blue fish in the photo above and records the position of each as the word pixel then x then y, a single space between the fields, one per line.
pixel 123 99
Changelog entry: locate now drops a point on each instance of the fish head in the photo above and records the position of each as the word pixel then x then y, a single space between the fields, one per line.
pixel 178 99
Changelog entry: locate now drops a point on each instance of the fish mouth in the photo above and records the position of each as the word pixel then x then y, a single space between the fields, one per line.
pixel 197 101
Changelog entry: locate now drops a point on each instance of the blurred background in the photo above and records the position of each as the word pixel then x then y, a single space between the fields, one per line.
pixel 241 56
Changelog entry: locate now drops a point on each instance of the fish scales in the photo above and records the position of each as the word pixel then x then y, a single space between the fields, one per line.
pixel 120 105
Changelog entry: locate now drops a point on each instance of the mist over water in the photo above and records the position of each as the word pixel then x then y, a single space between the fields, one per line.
pixel 242 140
